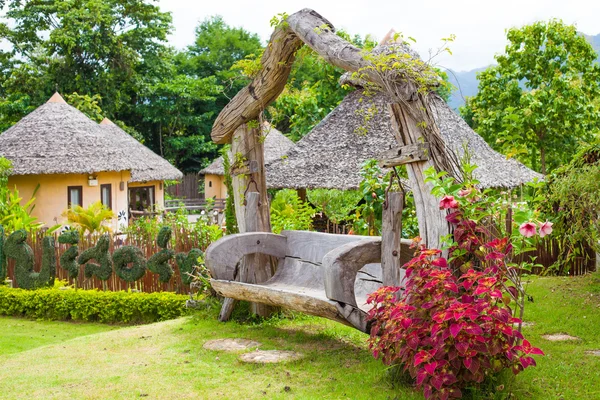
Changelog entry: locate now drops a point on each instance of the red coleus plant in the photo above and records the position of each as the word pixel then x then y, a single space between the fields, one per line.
pixel 453 325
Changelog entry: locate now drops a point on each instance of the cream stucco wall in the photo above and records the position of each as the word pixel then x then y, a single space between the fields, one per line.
pixel 51 197
pixel 217 189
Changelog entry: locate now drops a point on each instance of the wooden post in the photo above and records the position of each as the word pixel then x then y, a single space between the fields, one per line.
pixel 252 205
pixel 432 220
pixel 301 193
pixel 391 234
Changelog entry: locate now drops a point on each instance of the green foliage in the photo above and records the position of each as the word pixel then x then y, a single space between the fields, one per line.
pixel 103 268
pixel 288 212
pixel 3 269
pixel 129 262
pixel 48 260
pixel 337 205
pixel 230 218
pixel 89 105
pixel 92 305
pixel 15 216
pixel 159 262
pixel 104 47
pixel 372 188
pixel 68 259
pixel 187 262
pixel 571 199
pixel 91 219
pixel 540 103
pixel 17 248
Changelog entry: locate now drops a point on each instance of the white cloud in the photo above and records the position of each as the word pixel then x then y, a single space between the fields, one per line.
pixel 478 25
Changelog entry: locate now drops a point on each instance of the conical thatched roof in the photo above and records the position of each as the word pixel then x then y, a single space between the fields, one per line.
pixel 276 145
pixel 149 166
pixel 331 154
pixel 59 139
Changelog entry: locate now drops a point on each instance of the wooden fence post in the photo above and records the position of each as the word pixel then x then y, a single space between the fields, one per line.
pixel 391 234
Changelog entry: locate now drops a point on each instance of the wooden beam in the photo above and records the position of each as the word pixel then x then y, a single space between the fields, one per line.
pixel 393 254
pixel 248 167
pixel 310 28
pixel 404 154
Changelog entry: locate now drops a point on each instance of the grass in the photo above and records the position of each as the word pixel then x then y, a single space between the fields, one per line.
pixel 166 360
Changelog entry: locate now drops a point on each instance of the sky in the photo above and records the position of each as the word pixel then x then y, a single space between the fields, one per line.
pixel 479 25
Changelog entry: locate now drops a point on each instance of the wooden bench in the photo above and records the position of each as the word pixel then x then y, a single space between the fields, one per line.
pixel 318 273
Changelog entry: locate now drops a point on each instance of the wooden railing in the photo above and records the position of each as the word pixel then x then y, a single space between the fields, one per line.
pixel 193 204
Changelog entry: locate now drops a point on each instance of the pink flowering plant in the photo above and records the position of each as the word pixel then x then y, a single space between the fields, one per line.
pixel 457 319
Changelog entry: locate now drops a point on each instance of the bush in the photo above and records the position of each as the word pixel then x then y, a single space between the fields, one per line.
pixel 456 323
pixel 91 305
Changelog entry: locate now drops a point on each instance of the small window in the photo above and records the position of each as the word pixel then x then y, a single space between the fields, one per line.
pixel 106 195
pixel 74 196
pixel 209 183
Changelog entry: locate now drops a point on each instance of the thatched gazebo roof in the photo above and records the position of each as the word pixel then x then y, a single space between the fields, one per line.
pixel 276 146
pixel 149 166
pixel 56 138
pixel 331 154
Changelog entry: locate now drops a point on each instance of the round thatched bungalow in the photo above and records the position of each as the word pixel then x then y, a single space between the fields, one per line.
pixel 330 156
pixel 73 160
pixel 276 146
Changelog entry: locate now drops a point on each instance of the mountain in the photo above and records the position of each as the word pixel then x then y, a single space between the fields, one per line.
pixel 468 83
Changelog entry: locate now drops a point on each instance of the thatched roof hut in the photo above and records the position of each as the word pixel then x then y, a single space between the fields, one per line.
pixel 149 166
pixel 276 146
pixel 56 138
pixel 331 154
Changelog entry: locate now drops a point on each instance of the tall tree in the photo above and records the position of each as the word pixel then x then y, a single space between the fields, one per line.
pixel 539 103
pixel 92 47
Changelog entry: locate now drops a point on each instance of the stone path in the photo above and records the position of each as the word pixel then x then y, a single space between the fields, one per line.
pixel 231 344
pixel 270 356
pixel 559 337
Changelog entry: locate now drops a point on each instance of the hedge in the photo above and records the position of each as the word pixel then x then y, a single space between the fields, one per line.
pixel 92 305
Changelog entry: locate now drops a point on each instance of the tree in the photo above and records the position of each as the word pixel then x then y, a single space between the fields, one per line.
pixel 539 103
pixel 93 47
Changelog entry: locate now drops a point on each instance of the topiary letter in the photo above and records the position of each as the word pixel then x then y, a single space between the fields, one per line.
pixel 159 262
pixel 186 263
pixel 49 258
pixel 16 248
pixel 126 255
pixel 103 269
pixel 68 259
pixel 2 257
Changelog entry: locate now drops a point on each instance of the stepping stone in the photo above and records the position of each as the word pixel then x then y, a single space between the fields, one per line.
pixel 559 337
pixel 270 356
pixel 231 344
pixel 593 353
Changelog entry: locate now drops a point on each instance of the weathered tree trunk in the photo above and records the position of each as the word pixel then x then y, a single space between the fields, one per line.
pixel 305 26
pixel 252 206
pixel 391 234
pixel 432 221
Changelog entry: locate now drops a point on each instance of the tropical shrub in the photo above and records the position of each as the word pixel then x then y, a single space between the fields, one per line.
pixel 15 216
pixel 16 247
pixel 572 194
pixel 288 212
pixel 92 305
pixel 337 205
pixel 129 263
pixel 103 266
pixel 68 259
pixel 159 262
pixel 457 320
pixel 92 219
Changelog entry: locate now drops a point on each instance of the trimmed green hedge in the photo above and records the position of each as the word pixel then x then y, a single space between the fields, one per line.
pixel 92 305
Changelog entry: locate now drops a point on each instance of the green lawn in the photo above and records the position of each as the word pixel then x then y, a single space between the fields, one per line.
pixel 166 360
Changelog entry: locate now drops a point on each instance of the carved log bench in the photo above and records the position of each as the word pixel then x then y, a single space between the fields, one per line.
pixel 318 273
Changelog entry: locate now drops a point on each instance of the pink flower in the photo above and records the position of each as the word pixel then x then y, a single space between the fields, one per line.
pixel 545 228
pixel 464 192
pixel 448 202
pixel 527 229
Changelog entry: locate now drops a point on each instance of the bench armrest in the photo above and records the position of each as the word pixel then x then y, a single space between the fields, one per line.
pixel 223 255
pixel 342 264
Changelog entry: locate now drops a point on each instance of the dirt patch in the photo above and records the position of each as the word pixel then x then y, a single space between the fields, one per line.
pixel 270 356
pixel 231 344
pixel 559 337
pixel 593 353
